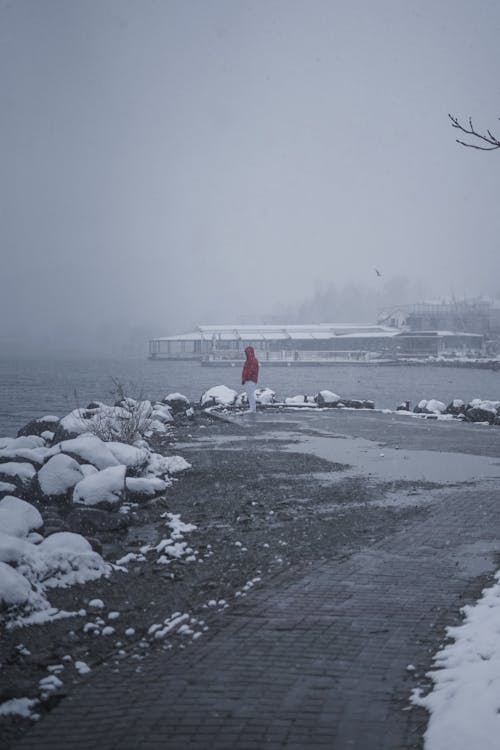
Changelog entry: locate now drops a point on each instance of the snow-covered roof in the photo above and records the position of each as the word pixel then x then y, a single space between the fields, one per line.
pixel 280 332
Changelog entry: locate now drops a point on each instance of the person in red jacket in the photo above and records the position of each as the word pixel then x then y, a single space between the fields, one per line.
pixel 250 376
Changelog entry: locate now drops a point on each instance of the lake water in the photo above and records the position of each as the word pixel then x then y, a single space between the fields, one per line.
pixel 33 387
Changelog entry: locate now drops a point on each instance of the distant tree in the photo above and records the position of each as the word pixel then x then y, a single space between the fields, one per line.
pixel 484 141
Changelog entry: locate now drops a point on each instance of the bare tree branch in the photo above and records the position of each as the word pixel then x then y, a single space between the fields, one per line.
pixel 492 141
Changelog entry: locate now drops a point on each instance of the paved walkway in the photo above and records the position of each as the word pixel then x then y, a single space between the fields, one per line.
pixel 315 659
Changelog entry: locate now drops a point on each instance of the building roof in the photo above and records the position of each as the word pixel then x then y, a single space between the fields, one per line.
pixel 281 332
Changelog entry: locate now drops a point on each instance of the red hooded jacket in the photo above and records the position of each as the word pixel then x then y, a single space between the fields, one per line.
pixel 251 367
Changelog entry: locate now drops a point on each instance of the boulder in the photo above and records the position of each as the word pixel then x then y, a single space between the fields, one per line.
pixel 219 395
pixel 327 398
pixel 353 403
pixel 58 476
pixel 89 449
pixel 420 407
pixel 403 406
pixel 21 455
pixel 21 475
pixel 177 402
pixel 435 407
pixel 455 407
pixel 479 414
pixel 143 488
pixel 265 396
pixel 17 517
pixel 107 487
pixel 39 426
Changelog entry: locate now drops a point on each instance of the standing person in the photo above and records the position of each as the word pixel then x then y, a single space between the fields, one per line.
pixel 250 376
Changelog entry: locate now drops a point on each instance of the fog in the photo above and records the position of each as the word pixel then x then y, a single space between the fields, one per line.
pixel 166 164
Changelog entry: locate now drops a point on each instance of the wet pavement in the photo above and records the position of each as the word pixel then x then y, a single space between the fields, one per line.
pixel 323 654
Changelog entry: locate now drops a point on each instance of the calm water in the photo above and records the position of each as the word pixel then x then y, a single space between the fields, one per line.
pixel 33 387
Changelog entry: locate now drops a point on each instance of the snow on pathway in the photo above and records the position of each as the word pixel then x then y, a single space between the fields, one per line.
pixel 464 702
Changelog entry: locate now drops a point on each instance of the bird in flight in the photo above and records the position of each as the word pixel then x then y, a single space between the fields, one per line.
pixel 377 272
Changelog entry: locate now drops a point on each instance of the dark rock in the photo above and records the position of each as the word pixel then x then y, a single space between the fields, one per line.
pixel 357 404
pixel 476 414
pixel 37 426
pixel 20 456
pixel 93 405
pixel 178 403
pixel 91 520
pixel 455 409
pixel 404 406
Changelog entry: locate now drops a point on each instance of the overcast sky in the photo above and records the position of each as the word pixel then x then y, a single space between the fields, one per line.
pixel 167 163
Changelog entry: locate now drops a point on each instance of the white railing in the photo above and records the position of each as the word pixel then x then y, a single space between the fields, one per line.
pixel 286 355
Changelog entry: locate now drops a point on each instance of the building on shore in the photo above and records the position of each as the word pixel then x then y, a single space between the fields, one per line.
pixel 477 315
pixel 313 344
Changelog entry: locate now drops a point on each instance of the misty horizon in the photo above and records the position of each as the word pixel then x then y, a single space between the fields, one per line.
pixel 174 164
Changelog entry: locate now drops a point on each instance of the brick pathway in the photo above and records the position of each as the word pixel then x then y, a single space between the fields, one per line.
pixel 314 659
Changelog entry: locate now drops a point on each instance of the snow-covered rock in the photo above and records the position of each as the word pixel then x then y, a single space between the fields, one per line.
pixel 59 475
pixel 327 398
pixel 14 549
pixel 219 395
pixel 66 559
pixel 89 449
pixel 299 400
pixel 72 425
pixel 14 588
pixel 265 396
pixel 32 456
pixel 27 441
pixel 476 411
pixel 16 472
pixel 128 455
pixel 144 487
pixel 7 488
pixel 455 407
pixel 39 426
pixel 177 402
pixel 17 517
pixel 65 540
pixel 435 407
pixel 107 486
pixel 162 413
pixel 160 466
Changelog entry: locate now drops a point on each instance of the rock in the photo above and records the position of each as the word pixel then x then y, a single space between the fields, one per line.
pixel 20 474
pixel 21 455
pixel 177 402
pixel 89 449
pixel 38 426
pixel 107 487
pixel 219 395
pixel 435 407
pixel 88 521
pixel 59 475
pixel 265 396
pixel 478 414
pixel 403 406
pixel 143 488
pixel 455 407
pixel 327 398
pixel 354 403
pixel 420 407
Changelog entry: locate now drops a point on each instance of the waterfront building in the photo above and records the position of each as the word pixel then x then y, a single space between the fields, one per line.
pixel 312 344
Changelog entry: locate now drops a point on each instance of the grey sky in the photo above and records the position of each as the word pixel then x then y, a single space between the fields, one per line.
pixel 166 163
